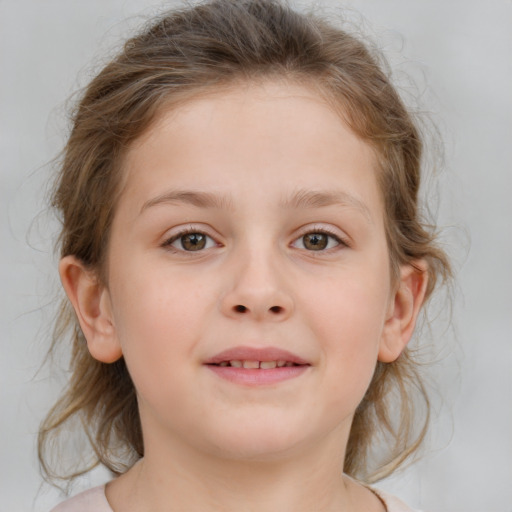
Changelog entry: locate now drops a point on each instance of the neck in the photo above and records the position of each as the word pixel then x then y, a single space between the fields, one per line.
pixel 177 478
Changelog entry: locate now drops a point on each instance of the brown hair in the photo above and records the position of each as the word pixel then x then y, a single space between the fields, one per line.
pixel 210 45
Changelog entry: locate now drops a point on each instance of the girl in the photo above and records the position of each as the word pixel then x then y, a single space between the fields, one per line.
pixel 243 252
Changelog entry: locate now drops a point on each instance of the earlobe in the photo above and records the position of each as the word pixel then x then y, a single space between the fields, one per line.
pixel 91 301
pixel 404 310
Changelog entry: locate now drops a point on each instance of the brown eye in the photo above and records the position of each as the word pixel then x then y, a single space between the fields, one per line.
pixel 315 241
pixel 318 241
pixel 193 241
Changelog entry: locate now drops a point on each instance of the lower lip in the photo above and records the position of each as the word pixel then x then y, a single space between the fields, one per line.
pixel 258 377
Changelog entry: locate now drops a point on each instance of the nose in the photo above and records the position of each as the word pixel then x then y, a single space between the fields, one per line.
pixel 257 291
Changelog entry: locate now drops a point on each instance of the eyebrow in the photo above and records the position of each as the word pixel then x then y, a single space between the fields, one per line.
pixel 299 199
pixel 195 198
pixel 319 199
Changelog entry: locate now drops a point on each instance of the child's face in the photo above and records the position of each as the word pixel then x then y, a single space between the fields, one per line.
pixel 250 218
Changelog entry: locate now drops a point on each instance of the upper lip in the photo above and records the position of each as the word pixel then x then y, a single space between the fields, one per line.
pixel 255 354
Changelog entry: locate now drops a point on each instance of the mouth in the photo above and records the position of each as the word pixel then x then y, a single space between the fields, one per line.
pixel 252 366
pixel 262 365
pixel 252 357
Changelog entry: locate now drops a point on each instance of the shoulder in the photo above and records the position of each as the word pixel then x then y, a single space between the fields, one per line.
pixel 93 500
pixel 393 504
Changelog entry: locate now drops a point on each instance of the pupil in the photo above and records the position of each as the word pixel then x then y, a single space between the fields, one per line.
pixel 315 241
pixel 193 241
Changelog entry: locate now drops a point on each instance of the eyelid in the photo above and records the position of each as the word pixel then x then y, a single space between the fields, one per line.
pixel 342 239
pixel 178 232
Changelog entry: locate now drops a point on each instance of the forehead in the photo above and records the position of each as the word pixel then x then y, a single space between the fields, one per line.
pixel 268 136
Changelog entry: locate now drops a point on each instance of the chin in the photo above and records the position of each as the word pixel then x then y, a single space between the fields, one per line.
pixel 258 441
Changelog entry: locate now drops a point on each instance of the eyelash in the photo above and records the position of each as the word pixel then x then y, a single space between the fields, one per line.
pixel 341 242
pixel 167 244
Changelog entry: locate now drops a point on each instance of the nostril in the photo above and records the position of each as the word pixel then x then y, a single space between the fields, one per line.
pixel 240 309
pixel 276 309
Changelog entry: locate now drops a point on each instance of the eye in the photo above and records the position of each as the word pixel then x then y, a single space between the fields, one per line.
pixel 317 241
pixel 190 241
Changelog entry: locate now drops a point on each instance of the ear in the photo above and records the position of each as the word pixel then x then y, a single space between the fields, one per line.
pixel 403 312
pixel 91 301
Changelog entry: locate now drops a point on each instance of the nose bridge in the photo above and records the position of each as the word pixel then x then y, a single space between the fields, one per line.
pixel 258 286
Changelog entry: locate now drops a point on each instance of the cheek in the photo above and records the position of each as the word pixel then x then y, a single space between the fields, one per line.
pixel 348 321
pixel 157 323
pixel 155 298
pixel 351 309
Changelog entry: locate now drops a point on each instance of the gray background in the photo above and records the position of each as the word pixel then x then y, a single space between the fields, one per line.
pixel 459 54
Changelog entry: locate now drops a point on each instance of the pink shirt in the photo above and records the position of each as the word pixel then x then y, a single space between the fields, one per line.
pixel 94 500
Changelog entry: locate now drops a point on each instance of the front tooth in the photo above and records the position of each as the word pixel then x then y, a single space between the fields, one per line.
pixel 251 364
pixel 224 363
pixel 236 364
pixel 281 363
pixel 289 363
pixel 266 365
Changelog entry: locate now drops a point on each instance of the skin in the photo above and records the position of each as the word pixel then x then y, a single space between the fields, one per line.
pixel 211 444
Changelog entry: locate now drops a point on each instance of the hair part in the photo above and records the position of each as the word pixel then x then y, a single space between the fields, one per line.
pixel 197 50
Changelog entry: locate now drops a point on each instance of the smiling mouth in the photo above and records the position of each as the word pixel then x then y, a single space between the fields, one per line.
pixel 256 373
pixel 262 365
pixel 257 366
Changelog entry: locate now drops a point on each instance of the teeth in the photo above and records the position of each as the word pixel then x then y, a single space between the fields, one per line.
pixel 265 365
